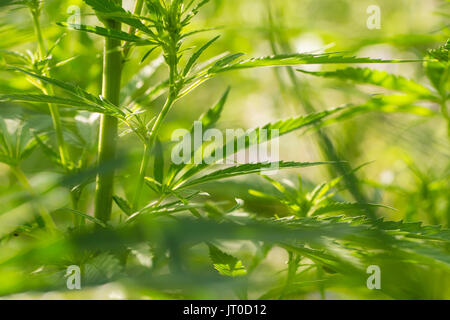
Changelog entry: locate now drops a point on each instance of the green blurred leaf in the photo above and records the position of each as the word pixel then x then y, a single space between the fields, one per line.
pixel 378 78
pixel 226 264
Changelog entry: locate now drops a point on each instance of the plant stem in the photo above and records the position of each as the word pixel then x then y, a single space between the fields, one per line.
pixel 145 158
pixel 48 90
pixel 173 93
pixel 77 220
pixel 48 220
pixel 149 146
pixel 445 113
pixel 142 173
pixel 112 72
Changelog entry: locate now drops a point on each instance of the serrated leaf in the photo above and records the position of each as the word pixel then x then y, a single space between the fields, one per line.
pixel 77 92
pixel 296 59
pixel 78 104
pixel 378 78
pixel 264 134
pixel 246 169
pixel 442 53
pixel 208 120
pixel 226 264
pixel 384 104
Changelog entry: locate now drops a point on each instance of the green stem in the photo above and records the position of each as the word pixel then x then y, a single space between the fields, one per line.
pixel 445 113
pixel 162 115
pixel 142 173
pixel 149 146
pixel 138 6
pixel 77 220
pixel 112 73
pixel 48 90
pixel 48 220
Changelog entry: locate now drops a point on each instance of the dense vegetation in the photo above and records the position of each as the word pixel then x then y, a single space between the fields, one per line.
pixel 91 92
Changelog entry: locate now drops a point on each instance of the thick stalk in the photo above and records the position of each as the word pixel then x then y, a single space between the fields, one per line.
pixel 112 71
pixel 46 217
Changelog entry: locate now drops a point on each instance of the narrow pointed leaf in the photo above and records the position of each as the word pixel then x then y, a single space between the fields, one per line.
pixel 108 33
pixel 197 55
pixel 297 59
pixel 247 169
pixel 377 78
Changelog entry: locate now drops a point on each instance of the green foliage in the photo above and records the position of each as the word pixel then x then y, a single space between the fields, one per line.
pixel 378 78
pixel 16 142
pixel 194 228
pixel 224 263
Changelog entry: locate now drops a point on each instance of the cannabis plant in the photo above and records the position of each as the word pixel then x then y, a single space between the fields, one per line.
pixel 151 224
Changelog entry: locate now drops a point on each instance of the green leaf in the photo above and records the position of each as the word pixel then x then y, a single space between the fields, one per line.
pixel 208 120
pixel 385 104
pixel 7 160
pixel 164 210
pixel 197 55
pixel 224 62
pixel 437 70
pixel 153 184
pixel 5 3
pixel 48 151
pixel 246 169
pixel 77 91
pixel 123 205
pixel 16 141
pixel 109 33
pixel 109 9
pixel 84 215
pixel 264 134
pixel 295 59
pixel 442 53
pixel 378 78
pixel 212 116
pixel 40 98
pixel 321 192
pixel 19 56
pixel 347 207
pixel 437 73
pixel 226 264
